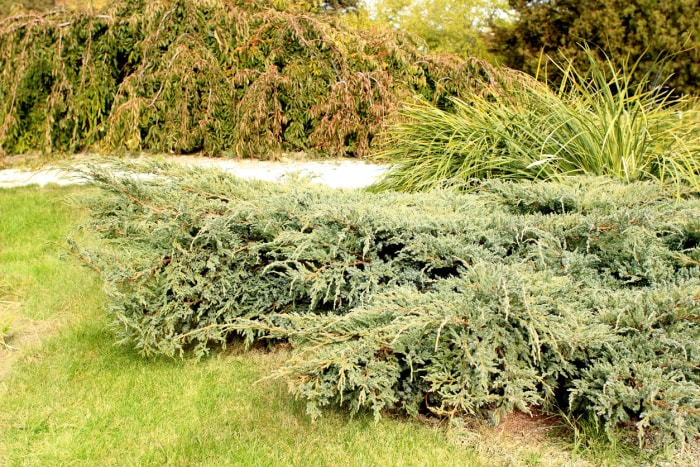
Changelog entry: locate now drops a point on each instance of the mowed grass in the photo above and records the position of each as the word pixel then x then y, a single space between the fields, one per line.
pixel 73 397
pixel 81 400
pixel 33 224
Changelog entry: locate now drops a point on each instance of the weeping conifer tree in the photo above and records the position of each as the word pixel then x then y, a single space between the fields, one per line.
pixel 216 76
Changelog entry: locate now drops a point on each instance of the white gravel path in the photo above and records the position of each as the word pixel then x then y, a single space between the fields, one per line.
pixel 335 173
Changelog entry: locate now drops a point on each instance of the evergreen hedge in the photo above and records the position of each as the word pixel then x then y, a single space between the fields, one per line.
pixel 217 76
pixel 582 295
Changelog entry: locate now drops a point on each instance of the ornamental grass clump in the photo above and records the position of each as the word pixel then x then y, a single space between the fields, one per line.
pixel 600 123
pixel 235 77
pixel 581 295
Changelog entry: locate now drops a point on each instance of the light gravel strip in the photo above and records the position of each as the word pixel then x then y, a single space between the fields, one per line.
pixel 335 173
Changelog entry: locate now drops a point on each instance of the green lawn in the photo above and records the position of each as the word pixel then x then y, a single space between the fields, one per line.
pixel 68 395
pixel 73 397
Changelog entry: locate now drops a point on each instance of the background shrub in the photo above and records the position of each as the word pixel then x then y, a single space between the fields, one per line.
pixel 239 78
pixel 637 30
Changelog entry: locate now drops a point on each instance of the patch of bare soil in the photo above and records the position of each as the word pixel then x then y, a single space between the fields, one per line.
pixel 25 334
pixel 522 439
pixel 519 439
pixel 530 428
pixel 688 455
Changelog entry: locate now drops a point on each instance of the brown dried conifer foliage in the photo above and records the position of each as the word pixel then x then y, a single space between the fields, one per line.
pixel 236 77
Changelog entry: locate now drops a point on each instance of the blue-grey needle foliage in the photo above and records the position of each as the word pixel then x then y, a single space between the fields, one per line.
pixel 582 295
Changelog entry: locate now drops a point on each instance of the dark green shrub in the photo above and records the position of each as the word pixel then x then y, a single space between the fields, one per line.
pixel 634 30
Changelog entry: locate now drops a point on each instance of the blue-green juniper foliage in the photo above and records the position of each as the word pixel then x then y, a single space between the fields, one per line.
pixel 582 295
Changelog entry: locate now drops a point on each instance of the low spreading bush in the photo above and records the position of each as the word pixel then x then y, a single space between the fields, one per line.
pixel 598 123
pixel 582 295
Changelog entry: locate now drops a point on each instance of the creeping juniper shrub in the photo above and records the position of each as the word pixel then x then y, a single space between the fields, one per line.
pixel 581 295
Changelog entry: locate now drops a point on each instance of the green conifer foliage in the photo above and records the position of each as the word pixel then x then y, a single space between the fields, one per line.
pixel 632 30
pixel 214 76
pixel 582 294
